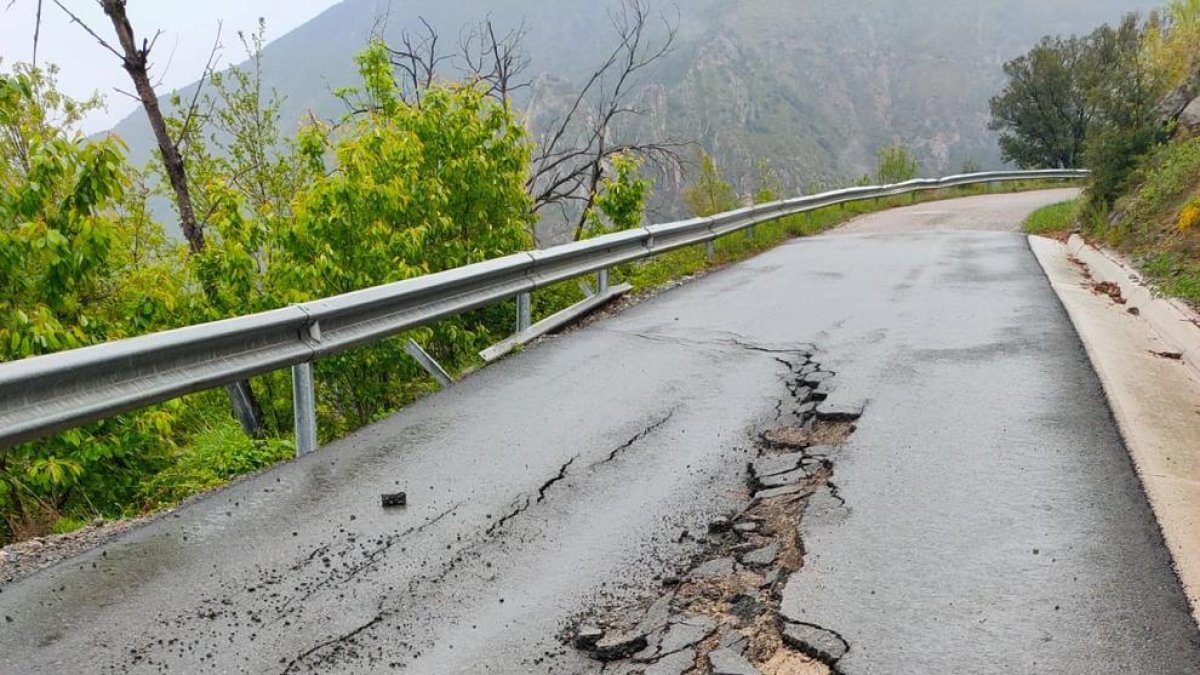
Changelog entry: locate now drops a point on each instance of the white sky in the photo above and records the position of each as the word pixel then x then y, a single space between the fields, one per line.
pixel 189 28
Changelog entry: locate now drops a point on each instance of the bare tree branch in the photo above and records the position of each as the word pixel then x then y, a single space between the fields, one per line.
pixel 185 131
pixel 76 19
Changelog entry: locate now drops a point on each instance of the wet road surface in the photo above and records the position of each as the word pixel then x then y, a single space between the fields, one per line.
pixel 992 522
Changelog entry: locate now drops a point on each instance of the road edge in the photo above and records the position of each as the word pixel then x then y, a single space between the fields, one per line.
pixel 1174 321
pixel 1149 396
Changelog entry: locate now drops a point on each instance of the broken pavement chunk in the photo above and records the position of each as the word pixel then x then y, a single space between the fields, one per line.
pixel 587 637
pixel 817 377
pixel 729 662
pixel 782 479
pixel 713 569
pixel 657 616
pixel 762 557
pixel 394 499
pixel 734 641
pixel 814 641
pixel 772 465
pixel 673 664
pixel 618 646
pixel 686 634
pixel 830 411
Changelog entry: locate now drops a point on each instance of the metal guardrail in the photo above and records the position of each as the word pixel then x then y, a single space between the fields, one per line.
pixel 46 394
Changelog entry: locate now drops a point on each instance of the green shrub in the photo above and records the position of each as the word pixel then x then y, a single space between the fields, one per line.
pixel 1167 181
pixel 216 455
pixel 1175 274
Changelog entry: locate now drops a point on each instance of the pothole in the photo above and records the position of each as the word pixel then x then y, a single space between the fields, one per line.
pixel 721 615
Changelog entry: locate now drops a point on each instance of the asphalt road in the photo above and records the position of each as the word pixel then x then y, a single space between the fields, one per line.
pixel 992 520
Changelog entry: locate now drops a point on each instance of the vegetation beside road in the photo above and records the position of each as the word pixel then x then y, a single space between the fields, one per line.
pixel 1127 106
pixel 400 187
pixel 1055 220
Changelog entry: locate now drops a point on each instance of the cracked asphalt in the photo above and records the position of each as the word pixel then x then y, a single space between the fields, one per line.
pixel 991 521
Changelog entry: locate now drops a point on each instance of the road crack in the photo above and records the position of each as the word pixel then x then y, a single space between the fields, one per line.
pixel 637 437
pixel 562 473
pixel 335 642
pixel 724 609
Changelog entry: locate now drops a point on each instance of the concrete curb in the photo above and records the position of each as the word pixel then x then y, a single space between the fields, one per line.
pixel 1174 321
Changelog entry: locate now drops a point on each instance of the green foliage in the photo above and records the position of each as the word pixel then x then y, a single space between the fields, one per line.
pixel 65 282
pixel 1043 111
pixel 393 192
pixel 710 194
pixel 414 189
pixel 1052 220
pixel 1176 274
pixel 621 204
pixel 1113 153
pixel 1174 47
pixel 219 452
pixel 1085 101
pixel 896 165
pixel 1166 182
pixel 769 187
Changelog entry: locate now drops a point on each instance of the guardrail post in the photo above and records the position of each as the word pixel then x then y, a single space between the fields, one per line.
pixel 710 250
pixel 304 406
pixel 602 281
pixel 524 312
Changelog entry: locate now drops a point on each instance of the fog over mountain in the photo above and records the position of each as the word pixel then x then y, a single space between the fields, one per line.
pixel 814 87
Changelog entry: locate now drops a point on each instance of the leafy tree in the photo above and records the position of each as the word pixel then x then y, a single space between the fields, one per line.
pixel 621 203
pixel 710 194
pixel 1124 87
pixel 1173 46
pixel 413 189
pixel 63 260
pixel 1044 111
pixel 896 165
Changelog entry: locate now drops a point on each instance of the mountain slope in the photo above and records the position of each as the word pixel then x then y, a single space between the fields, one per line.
pixel 813 86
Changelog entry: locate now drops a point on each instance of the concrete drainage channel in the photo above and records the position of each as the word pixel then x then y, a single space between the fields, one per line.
pixel 721 614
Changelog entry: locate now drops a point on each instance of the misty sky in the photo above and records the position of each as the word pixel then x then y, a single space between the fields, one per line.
pixel 189 29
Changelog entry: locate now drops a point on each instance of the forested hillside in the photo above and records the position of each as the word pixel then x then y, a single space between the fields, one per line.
pixel 815 87
pixel 1122 100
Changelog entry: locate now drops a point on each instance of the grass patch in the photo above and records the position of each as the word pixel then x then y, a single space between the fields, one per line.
pixel 1052 221
pixel 1173 273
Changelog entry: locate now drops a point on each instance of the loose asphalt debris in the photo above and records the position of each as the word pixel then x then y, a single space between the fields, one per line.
pixel 393 500
pixel 720 615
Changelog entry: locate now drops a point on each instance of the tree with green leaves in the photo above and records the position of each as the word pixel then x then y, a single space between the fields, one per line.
pixel 711 193
pixel 1044 111
pixel 401 190
pixel 64 284
pixel 1085 101
pixel 896 165
pixel 621 202
pixel 1124 86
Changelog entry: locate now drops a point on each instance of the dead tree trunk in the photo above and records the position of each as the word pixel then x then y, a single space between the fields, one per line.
pixel 135 59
